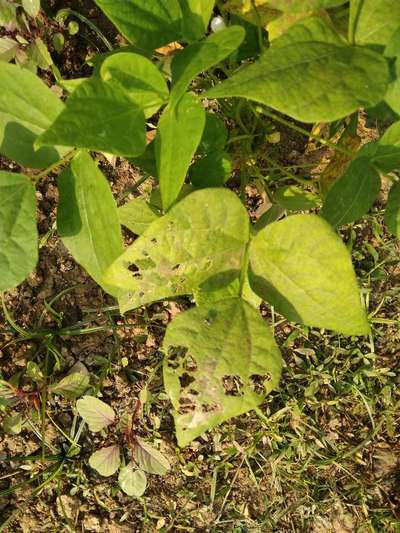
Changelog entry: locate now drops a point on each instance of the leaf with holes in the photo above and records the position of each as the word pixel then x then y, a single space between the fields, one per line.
pixel 392 212
pixel 149 459
pixel 179 133
pixel 220 361
pixel 87 218
pixel 324 78
pixel 18 230
pixel 352 196
pixel 97 414
pixel 71 386
pixel 201 237
pixel 301 267
pixel 106 461
pixel 99 116
pixel 139 77
pixel 132 481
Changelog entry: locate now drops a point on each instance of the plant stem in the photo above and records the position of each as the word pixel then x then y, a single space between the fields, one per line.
pixel 54 166
pixel 303 131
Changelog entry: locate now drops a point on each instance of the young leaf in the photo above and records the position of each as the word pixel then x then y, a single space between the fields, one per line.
pixel 8 48
pixel 203 235
pixel 213 170
pixel 39 54
pixel 87 218
pixel 353 194
pixel 294 198
pixel 137 215
pixel 147 24
pixel 106 461
pixel 95 413
pixel 201 56
pixel 309 71
pixel 196 15
pixel 374 22
pixel 214 135
pixel 179 133
pixel 99 116
pixel 8 394
pixel 212 370
pixel 71 386
pixel 392 213
pixel 149 459
pixel 27 108
pixel 18 230
pixel 32 7
pixel 132 481
pixel 301 267
pixel 139 77
pixel 33 371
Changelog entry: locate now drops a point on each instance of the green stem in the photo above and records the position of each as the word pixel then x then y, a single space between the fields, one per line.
pixel 54 166
pixel 303 131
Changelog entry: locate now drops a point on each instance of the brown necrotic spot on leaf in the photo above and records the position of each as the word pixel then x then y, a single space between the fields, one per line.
pixel 233 385
pixel 257 382
pixel 185 380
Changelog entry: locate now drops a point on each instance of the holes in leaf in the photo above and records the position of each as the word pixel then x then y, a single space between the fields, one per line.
pixel 135 271
pixel 154 240
pixel 175 356
pixel 176 267
pixel 189 363
pixel 185 380
pixel 210 408
pixel 233 385
pixel 257 382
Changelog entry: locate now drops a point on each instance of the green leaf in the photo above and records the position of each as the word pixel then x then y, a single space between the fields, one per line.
pixel 137 215
pixel 386 153
pixel 39 54
pixel 18 231
pixel 147 24
pixel 139 77
pixel 202 236
pixel 32 7
pixel 87 218
pixel 71 386
pixel 97 414
pixel 304 5
pixel 294 198
pixel 352 196
pixel 12 425
pixel 214 135
pixel 213 170
pixel 33 371
pixel 106 461
pixel 8 394
pixel 8 49
pixel 8 15
pixel 374 21
pixel 272 214
pixel 221 360
pixel 201 56
pixel 196 15
pixel 99 116
pixel 149 459
pixel 301 267
pixel 179 133
pixel 132 481
pixel 392 213
pixel 147 160
pixel 27 108
pixel 309 71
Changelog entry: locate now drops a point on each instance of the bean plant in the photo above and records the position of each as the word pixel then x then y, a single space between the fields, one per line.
pixel 297 62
